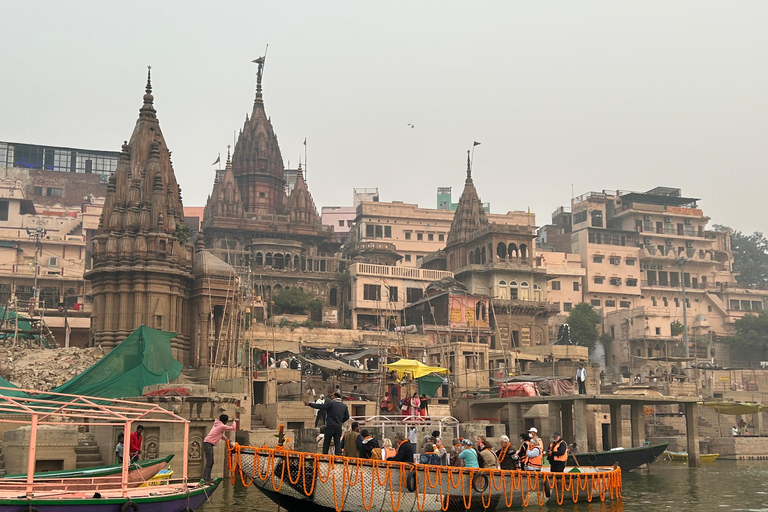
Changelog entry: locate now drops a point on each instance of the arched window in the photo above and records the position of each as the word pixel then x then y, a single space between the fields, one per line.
pixel 278 261
pixel 512 251
pixel 502 283
pixel 490 252
pixel 537 293
pixel 482 256
pixel 523 251
pixel 296 262
pixel 268 260
pixel 501 251
pixel 502 291
pixel 332 297
pixel 287 261
pixel 513 290
pixel 525 290
pixel 524 284
pixel 259 259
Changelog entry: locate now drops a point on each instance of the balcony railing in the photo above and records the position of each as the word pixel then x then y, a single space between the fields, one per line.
pixel 420 274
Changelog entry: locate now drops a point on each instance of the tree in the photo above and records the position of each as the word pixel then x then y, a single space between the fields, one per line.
pixel 294 301
pixel 583 321
pixel 676 328
pixel 751 335
pixel 750 257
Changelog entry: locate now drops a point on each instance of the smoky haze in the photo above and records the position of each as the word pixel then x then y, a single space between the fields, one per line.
pixel 562 95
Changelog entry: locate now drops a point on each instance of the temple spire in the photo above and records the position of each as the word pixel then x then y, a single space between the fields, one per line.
pixel 147 110
pixel 469 169
pixel 259 74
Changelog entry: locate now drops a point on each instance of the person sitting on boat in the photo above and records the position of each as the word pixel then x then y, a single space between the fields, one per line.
pixel 468 454
pixel 387 451
pixel 487 457
pixel 453 455
pixel 120 447
pixel 216 434
pixel 557 453
pixel 337 415
pixel 573 447
pixel 506 455
pixel 404 450
pixel 350 442
pixel 441 451
pixel 522 452
pixel 136 443
pixel 430 456
pixel 366 445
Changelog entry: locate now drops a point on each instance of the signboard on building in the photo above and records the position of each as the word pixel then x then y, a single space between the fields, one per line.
pixel 331 316
pixel 679 210
pixel 455 314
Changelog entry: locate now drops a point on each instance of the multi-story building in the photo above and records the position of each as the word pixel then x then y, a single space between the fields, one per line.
pixel 341 218
pixel 639 250
pixel 58 159
pixel 565 281
pixel 445 200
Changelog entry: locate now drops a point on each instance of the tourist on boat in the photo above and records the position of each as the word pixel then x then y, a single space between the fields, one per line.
pixel 535 453
pixel 557 453
pixel 412 437
pixel 453 455
pixel 136 443
pixel 441 451
pixel 387 451
pixel 573 447
pixel 349 442
pixel 487 457
pixel 430 456
pixel 337 415
pixel 468 454
pixel 366 445
pixel 506 454
pixel 522 452
pixel 581 379
pixel 404 450
pixel 120 447
pixel 216 434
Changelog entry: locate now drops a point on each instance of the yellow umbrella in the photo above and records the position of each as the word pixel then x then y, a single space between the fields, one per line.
pixel 413 368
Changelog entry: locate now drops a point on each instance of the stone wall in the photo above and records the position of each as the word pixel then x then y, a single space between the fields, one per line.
pixel 55 448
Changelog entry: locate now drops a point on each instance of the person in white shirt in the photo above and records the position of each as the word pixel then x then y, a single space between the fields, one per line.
pixel 581 379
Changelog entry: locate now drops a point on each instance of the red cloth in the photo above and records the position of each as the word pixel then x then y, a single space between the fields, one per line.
pixel 135 443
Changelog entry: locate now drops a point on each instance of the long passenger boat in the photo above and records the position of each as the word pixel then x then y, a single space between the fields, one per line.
pixel 138 472
pixel 320 483
pixel 627 458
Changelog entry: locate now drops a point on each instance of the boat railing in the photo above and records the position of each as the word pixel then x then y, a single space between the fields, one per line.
pixel 446 425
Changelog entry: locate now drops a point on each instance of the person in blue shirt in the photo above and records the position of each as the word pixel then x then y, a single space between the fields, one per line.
pixel 468 454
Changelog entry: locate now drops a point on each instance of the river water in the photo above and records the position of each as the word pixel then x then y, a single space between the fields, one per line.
pixel 725 485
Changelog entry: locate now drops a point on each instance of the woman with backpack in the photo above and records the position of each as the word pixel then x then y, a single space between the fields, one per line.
pixel 368 446
pixel 487 458
pixel 430 456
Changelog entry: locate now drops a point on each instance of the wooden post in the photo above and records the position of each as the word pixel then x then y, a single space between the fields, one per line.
pixel 692 431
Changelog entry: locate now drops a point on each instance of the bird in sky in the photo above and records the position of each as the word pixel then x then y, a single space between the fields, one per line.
pixel 409 124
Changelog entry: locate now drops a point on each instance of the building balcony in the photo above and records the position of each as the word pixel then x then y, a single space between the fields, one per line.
pixel 410 273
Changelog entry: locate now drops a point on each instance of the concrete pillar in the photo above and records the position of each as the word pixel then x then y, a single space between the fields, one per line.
pixel 638 423
pixel 566 410
pixel 580 423
pixel 692 431
pixel 555 424
pixel 616 433
pixel 516 421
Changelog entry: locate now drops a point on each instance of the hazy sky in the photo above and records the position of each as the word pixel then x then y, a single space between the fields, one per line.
pixel 590 95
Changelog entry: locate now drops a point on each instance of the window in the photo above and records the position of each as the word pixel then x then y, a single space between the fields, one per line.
pixel 262 194
pixel 387 231
pixel 38 191
pixel 441 237
pixel 419 236
pixel 341 223
pixel 393 294
pixel 631 262
pixel 371 292
pixel 614 260
pixel 53 261
pixel 677 302
pixel 658 330
pixel 665 301
pixel 599 279
pixel 567 306
pixel 53 192
pixel 610 303
pixel 555 285
pixel 369 231
pixel 407 235
pixel 431 237
pixel 576 286
pixel 653 301
pixel 379 232
pixel 597 218
pixel 413 294
pixel 625 304
pixel 580 217
pixel 597 258
pixel 631 282
pixel 407 257
pixel 615 281
pixel 3 210
pixel 595 302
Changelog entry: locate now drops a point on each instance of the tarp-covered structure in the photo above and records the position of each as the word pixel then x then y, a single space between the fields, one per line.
pixel 736 408
pixel 25 330
pixel 142 359
pixel 413 369
pixel 10 392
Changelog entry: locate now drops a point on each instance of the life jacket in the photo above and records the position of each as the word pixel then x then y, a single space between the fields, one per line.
pixel 523 457
pixel 536 462
pixel 558 458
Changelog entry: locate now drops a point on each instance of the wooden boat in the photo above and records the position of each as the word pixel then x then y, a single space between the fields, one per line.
pixel 117 492
pixel 320 483
pixel 627 458
pixel 138 472
pixel 683 456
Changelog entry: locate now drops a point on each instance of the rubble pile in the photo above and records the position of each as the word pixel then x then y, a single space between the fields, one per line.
pixel 44 369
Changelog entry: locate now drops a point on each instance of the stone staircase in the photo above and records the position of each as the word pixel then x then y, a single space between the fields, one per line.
pixel 257 422
pixel 87 452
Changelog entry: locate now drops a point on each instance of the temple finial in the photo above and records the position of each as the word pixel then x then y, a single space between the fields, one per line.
pixel 149 79
pixel 259 62
pixel 469 167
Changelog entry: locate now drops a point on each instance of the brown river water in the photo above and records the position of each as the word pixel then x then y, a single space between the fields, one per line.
pixel 724 485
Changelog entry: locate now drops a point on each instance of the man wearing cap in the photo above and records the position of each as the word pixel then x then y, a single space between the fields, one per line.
pixel 557 453
pixel 535 451
pixel 468 454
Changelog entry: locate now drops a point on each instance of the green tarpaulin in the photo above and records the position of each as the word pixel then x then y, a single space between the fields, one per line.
pixel 25 327
pixel 429 385
pixel 8 392
pixel 142 359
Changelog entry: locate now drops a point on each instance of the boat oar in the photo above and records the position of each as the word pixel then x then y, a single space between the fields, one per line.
pixel 575 460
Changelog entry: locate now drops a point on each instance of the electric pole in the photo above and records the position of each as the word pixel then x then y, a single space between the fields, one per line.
pixel 38 235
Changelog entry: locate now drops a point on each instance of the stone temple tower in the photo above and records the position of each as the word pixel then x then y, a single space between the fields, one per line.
pixel 142 261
